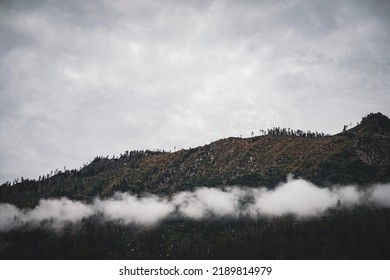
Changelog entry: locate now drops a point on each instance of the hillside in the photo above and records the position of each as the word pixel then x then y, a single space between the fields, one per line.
pixel 359 156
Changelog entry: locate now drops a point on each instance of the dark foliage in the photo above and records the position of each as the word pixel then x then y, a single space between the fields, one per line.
pixel 361 233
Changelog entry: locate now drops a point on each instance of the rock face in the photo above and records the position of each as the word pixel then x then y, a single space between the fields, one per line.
pixel 360 155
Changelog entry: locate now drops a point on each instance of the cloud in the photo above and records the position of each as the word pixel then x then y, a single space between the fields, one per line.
pixel 86 78
pixel 380 195
pixel 209 202
pixel 52 213
pixel 9 215
pixel 350 195
pixel 295 197
pixel 132 210
pixel 58 212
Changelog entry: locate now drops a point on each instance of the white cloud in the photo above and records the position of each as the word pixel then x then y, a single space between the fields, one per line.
pixel 131 210
pixel 349 195
pixel 58 212
pixel 208 202
pixel 295 197
pixel 381 195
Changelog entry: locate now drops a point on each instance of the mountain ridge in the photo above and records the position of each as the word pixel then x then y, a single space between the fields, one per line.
pixel 359 155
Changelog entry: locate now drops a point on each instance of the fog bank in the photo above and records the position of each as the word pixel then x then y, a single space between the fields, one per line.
pixel 296 197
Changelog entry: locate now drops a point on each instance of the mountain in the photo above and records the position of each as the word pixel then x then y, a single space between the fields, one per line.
pixel 359 155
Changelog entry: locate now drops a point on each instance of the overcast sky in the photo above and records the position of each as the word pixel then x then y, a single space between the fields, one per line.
pixel 85 78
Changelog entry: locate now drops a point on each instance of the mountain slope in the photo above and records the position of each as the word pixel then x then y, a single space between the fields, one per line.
pixel 359 155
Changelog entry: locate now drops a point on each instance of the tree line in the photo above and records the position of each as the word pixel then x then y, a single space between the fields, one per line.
pixel 278 131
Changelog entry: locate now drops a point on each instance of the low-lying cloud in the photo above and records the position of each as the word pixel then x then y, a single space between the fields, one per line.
pixel 130 209
pixel 295 197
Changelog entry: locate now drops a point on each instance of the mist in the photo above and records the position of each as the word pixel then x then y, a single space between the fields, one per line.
pixel 129 209
pixel 295 197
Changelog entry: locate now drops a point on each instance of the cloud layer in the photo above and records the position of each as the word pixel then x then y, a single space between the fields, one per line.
pixel 85 78
pixel 295 197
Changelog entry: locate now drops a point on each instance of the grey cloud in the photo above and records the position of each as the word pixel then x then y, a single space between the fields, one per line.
pixel 86 78
pixel 8 217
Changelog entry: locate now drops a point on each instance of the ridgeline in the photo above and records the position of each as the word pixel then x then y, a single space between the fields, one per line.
pixel 359 155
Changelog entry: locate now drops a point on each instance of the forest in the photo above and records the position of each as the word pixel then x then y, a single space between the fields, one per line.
pixel 361 233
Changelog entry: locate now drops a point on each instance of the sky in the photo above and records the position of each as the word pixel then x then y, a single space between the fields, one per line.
pixel 80 79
